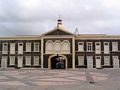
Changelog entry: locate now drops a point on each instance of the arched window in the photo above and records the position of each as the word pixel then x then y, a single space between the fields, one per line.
pixel 66 46
pixel 57 46
pixel 49 47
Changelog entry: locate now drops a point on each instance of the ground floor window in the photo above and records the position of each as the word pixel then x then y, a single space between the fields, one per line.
pixel 28 60
pixel 80 60
pixel 106 60
pixel 36 61
pixel 12 60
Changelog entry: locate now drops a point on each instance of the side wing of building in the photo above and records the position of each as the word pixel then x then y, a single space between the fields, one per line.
pixel 97 51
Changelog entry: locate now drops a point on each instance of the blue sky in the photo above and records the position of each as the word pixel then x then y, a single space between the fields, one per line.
pixel 33 17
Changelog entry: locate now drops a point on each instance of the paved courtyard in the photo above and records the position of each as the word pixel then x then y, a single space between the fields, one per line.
pixel 82 79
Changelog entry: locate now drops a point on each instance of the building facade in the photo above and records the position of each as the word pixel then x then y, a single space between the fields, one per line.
pixel 60 49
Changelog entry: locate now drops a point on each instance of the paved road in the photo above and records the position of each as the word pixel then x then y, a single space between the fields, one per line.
pixel 36 79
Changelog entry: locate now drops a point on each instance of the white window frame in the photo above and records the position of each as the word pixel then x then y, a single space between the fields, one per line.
pixel 98 48
pixel 65 47
pixel 80 47
pixel 36 49
pixel 106 48
pixel 4 48
pixel 107 60
pixel 114 46
pixel 28 46
pixel 81 61
pixel 12 48
pixel 28 60
pixel 12 60
pixel 20 48
pixel 57 46
pixel 49 48
pixel 36 59
pixel 88 47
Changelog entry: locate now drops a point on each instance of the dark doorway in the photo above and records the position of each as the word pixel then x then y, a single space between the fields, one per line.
pixel 57 62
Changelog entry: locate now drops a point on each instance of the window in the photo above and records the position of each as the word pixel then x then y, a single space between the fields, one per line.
pixel 89 46
pixel 28 47
pixel 106 60
pixel 36 47
pixel 5 48
pixel 12 60
pixel 57 46
pixel 20 48
pixel 80 46
pixel 106 47
pixel 36 61
pixel 28 60
pixel 65 47
pixel 80 60
pixel 98 48
pixel 114 46
pixel 12 48
pixel 4 62
pixel 49 47
pixel 98 57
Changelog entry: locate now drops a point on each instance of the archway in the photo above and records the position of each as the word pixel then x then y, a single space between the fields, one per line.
pixel 57 62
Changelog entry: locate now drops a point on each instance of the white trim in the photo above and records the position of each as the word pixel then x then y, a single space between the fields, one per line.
pixel 114 46
pixel 81 47
pixel 98 61
pixel 65 49
pixel 12 60
pixel 48 47
pixel 20 48
pixel 106 47
pixel 4 48
pixel 81 61
pixel 106 60
pixel 28 47
pixel 12 48
pixel 28 60
pixel 36 49
pixel 36 61
pixel 89 48
pixel 98 48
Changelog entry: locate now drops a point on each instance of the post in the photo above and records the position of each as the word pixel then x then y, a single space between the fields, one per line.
pixel 42 53
pixel 73 52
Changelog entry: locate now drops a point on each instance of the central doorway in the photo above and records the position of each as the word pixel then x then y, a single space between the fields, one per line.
pixel 57 62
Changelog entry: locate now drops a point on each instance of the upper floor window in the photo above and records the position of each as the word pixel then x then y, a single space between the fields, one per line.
pixel 12 48
pixel 20 48
pixel 57 47
pixel 5 48
pixel 97 47
pixel 106 48
pixel 114 46
pixel 49 47
pixel 36 47
pixel 80 46
pixel 65 46
pixel 89 46
pixel 28 47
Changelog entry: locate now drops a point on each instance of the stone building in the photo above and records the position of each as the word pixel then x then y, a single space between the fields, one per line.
pixel 60 49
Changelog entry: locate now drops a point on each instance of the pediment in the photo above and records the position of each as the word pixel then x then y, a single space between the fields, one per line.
pixel 58 31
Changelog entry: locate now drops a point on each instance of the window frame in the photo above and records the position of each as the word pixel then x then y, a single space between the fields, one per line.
pixel 81 46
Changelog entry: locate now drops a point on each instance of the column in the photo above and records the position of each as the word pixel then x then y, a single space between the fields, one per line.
pixel 73 53
pixel 42 53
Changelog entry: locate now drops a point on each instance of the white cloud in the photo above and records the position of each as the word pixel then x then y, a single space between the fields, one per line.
pixel 36 16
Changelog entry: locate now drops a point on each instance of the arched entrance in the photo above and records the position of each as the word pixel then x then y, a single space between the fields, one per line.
pixel 57 62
